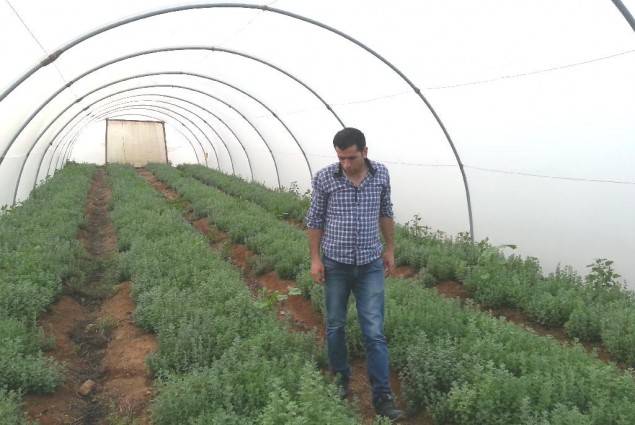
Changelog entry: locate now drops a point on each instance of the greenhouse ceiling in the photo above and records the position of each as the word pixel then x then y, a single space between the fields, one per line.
pixel 511 120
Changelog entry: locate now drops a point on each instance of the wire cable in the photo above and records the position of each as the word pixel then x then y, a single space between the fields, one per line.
pixel 26 26
pixel 490 170
pixel 516 173
pixel 530 73
pixel 38 43
pixel 490 80
pixel 244 27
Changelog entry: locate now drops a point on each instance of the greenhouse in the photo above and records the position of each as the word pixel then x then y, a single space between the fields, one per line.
pixel 146 143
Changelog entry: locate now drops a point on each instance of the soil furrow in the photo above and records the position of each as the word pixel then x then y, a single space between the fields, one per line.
pixel 297 308
pixel 95 337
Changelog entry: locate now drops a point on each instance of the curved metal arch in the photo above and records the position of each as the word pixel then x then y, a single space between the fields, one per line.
pixel 231 162
pixel 94 118
pixel 51 58
pixel 162 108
pixel 113 94
pixel 172 126
pixel 170 85
pixel 209 112
pixel 149 108
pixel 178 106
pixel 273 157
pixel 77 123
pixel 117 115
pixel 123 114
pixel 297 142
pixel 412 86
pixel 194 104
pixel 70 130
pixel 625 13
pixel 167 49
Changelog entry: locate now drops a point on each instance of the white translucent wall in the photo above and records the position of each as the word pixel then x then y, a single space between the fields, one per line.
pixel 535 96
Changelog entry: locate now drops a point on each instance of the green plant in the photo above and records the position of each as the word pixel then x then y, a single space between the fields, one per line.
pixel 431 369
pixel 444 262
pixel 428 280
pixel 316 295
pixel 39 246
pixel 239 382
pixel 305 282
pixel 315 403
pixel 602 275
pixel 260 265
pixel 268 299
pixel 10 410
pixel 25 369
pixel 105 326
pixel 506 375
pixel 178 204
pixel 617 331
pixel 551 309
pixel 225 250
pixel 98 277
pixel 214 235
pixel 584 321
pixel 415 227
pixel 497 281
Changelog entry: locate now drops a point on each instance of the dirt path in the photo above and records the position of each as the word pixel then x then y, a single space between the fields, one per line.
pixel 104 352
pixel 297 308
pixel 304 316
pixel 95 337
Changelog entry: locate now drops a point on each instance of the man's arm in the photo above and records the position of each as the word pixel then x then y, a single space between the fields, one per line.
pixel 387 227
pixel 317 267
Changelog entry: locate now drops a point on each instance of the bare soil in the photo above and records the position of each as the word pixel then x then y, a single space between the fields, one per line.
pixel 302 313
pixel 299 310
pixel 96 339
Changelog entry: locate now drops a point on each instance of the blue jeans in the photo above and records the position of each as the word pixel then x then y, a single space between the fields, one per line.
pixel 366 282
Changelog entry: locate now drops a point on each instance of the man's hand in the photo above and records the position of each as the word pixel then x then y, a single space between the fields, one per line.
pixel 317 271
pixel 317 266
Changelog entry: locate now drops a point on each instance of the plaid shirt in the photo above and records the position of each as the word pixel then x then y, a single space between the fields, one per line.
pixel 349 215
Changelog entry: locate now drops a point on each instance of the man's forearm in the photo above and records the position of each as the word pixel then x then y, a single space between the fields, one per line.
pixel 387 227
pixel 315 237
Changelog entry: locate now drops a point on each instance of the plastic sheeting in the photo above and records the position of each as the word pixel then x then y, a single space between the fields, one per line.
pixel 510 119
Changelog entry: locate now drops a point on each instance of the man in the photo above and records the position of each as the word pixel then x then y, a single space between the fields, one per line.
pixel 350 205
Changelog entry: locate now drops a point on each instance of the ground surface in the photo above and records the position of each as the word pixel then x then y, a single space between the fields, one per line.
pixel 97 340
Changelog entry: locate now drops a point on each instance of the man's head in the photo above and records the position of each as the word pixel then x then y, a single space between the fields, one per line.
pixel 348 137
pixel 350 146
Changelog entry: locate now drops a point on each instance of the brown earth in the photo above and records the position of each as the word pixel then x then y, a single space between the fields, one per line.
pixel 97 340
pixel 95 337
pixel 303 314
pixel 298 308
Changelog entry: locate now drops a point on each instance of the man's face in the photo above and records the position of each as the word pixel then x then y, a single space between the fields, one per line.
pixel 351 159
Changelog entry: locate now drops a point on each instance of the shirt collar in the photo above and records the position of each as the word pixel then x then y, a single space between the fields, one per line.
pixel 340 173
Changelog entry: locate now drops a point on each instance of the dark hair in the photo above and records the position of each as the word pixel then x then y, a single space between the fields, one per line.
pixel 348 137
